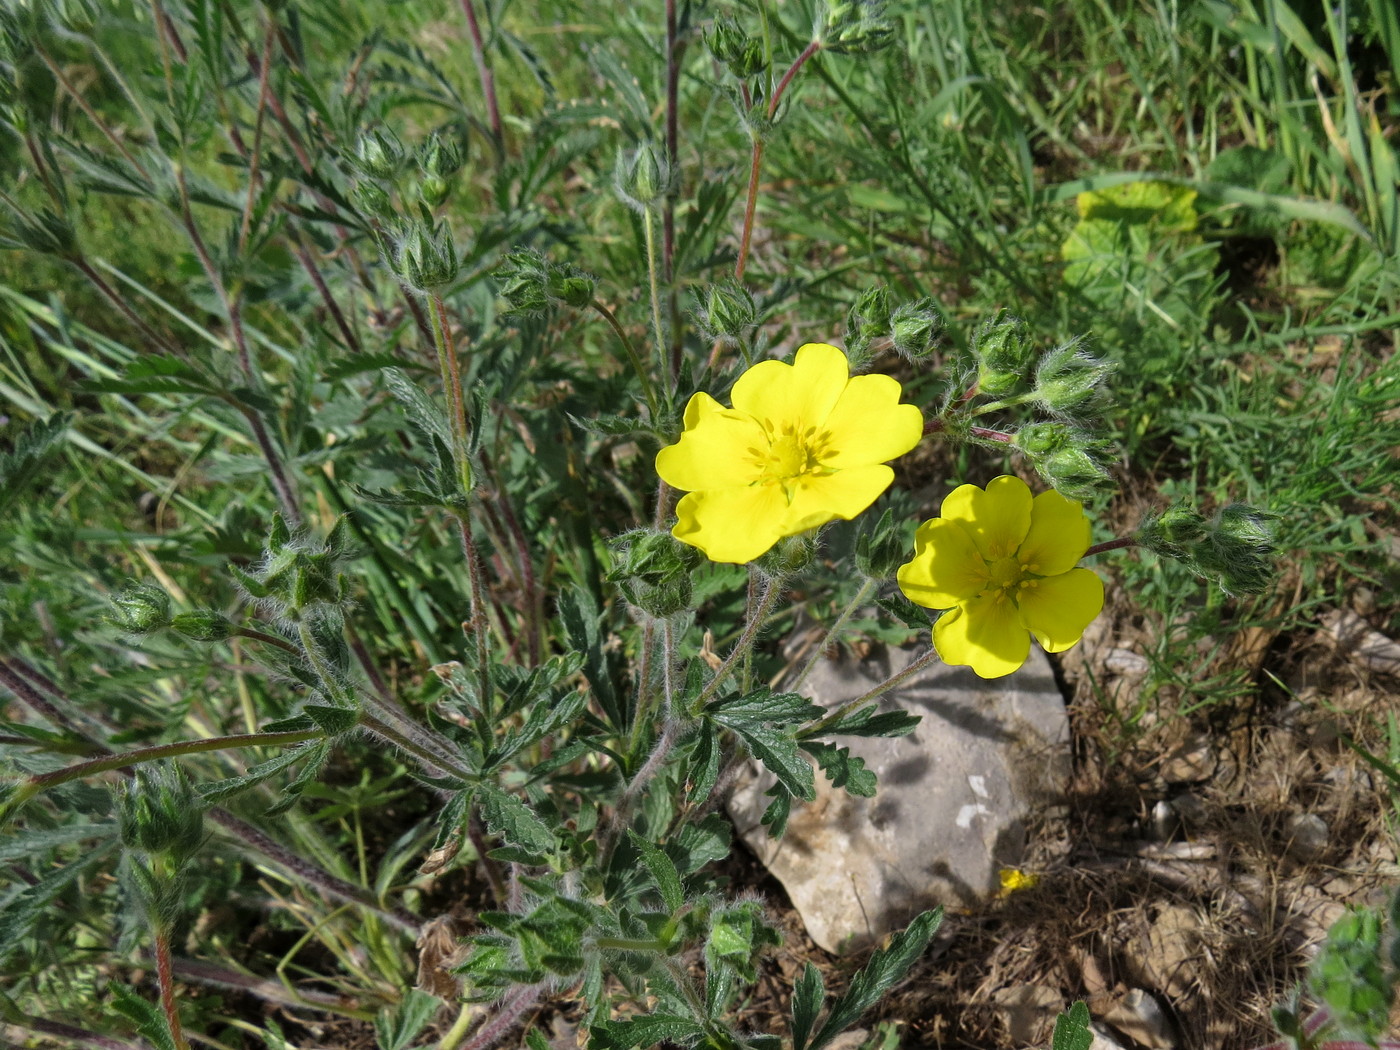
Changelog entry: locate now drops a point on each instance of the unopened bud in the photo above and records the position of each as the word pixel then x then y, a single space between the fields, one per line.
pixel 882 547
pixel 857 27
pixel 725 311
pixel 1004 351
pixel 729 44
pixel 140 609
pixel 867 320
pixel 372 199
pixel 571 286
pixel 789 556
pixel 641 177
pixel 524 282
pixel 915 328
pixel 1239 549
pixel 159 812
pixel 204 626
pixel 379 154
pixel 1068 378
pixel 1173 532
pixel 425 257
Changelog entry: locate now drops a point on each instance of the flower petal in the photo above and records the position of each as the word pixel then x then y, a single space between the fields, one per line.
pixel 1058 537
pixel 869 425
pixel 984 634
pixel 801 394
pixel 817 499
pixel 1058 609
pixel 946 568
pixel 997 519
pixel 716 451
pixel 731 525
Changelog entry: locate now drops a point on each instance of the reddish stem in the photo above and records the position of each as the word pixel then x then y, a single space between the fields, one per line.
pixel 937 426
pixel 1111 545
pixel 488 79
pixel 166 978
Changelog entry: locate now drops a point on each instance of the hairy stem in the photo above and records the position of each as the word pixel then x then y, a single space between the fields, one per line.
pixel 744 645
pixel 833 633
pixel 484 73
pixel 643 375
pixel 915 666
pixel 659 332
pixel 166 979
pixel 1111 545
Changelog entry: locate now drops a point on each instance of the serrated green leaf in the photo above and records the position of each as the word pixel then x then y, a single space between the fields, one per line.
pixel 843 769
pixel 808 994
pixel 423 411
pixel 147 1017
pixel 613 426
pixel 649 1031
pixel 663 870
pixel 32 447
pixel 775 816
pixel 905 611
pixel 763 705
pixel 780 755
pixel 870 721
pixel 886 967
pixel 703 770
pixel 514 822
pixel 1072 1031
pixel 219 790
pixel 316 758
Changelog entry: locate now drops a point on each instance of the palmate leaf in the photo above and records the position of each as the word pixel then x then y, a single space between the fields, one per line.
pixel 843 769
pixel 885 968
pixel 753 717
pixel 220 790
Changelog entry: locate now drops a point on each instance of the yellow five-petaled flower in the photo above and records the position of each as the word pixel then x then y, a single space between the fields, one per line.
pixel 804 444
pixel 1003 564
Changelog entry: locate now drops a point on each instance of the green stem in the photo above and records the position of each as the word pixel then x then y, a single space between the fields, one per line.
pixel 834 632
pixel 915 666
pixel 267 639
pixel 44 781
pixel 659 336
pixel 452 383
pixel 633 358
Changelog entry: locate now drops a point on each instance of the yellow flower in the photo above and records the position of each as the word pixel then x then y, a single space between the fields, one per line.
pixel 1004 564
pixel 804 444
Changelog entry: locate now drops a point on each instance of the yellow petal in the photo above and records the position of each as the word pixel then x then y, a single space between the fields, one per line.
pixel 984 634
pixel 1058 536
pixel 869 425
pixel 716 451
pixel 1058 609
pixel 817 499
pixel 731 525
pixel 946 568
pixel 801 394
pixel 997 519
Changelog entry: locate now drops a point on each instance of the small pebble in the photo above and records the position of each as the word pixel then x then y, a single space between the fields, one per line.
pixel 1306 835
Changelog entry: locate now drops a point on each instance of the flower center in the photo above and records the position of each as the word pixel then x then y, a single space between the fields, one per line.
pixel 1008 577
pixel 791 453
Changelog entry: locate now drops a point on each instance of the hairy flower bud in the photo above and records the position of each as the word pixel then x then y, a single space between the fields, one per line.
pixel 641 177
pixel 1239 549
pixel 378 154
pixel 856 27
pixel 1173 532
pixel 654 571
pixel 425 257
pixel 571 286
pixel 1065 457
pixel 440 160
pixel 730 45
pixel 867 320
pixel 725 311
pixel 1068 378
pixel 1004 351
pixel 373 199
pixel 531 284
pixel 203 626
pixel 140 609
pixel 159 812
pixel 915 328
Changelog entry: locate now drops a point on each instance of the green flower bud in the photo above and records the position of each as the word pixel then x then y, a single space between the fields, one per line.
pixel 1004 351
pixel 441 157
pixel 301 580
pixel 654 570
pixel 915 328
pixel 1065 457
pixel 867 320
pixel 140 609
pixel 1068 378
pixel 856 27
pixel 881 548
pixel 378 154
pixel 524 282
pixel 642 177
pixel 434 190
pixel 1238 550
pixel 425 257
pixel 1173 532
pixel 571 286
pixel 730 45
pixel 202 626
pixel 725 311
pixel 372 199
pixel 158 812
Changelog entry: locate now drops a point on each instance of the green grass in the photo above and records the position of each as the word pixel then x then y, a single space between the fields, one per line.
pixel 1254 347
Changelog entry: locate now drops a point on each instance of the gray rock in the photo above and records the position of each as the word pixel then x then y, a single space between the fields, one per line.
pixel 1141 1018
pixel 951 805
pixel 1306 835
